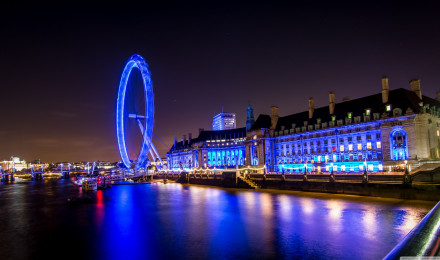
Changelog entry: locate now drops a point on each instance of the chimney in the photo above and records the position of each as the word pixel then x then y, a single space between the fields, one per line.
pixel 201 130
pixel 331 105
pixel 414 85
pixel 189 137
pixel 184 139
pixel 311 107
pixel 274 117
pixel 385 90
pixel 438 95
pixel 175 141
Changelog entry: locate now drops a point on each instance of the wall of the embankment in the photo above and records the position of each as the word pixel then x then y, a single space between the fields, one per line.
pixel 430 192
pixel 397 191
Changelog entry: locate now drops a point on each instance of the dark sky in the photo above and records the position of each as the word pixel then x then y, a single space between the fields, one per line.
pixel 60 64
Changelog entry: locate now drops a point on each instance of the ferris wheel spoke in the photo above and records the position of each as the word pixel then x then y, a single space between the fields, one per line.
pixel 136 116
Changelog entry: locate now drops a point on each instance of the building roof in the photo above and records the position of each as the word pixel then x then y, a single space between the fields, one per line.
pixel 211 135
pixel 398 98
pixel 263 121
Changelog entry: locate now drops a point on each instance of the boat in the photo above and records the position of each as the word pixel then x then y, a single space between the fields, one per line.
pixel 103 183
pixel 77 181
pixel 89 185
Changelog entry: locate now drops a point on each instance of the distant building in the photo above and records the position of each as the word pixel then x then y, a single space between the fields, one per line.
pixel 223 121
pixel 14 163
pixel 38 165
pixel 220 149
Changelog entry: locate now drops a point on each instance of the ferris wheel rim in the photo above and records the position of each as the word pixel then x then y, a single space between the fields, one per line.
pixel 135 62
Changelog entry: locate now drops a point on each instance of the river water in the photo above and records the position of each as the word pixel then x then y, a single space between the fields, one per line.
pixel 172 221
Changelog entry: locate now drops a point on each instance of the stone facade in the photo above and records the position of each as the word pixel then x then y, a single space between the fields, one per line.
pixel 381 132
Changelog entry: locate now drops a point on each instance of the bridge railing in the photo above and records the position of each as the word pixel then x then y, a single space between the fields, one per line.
pixel 422 240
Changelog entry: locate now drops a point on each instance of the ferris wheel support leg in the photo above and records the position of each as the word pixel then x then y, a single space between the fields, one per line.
pixel 150 144
pixel 157 154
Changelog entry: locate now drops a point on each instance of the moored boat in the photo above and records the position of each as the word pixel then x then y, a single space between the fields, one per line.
pixel 89 185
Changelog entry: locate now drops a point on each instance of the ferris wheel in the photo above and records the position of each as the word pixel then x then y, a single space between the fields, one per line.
pixel 135 115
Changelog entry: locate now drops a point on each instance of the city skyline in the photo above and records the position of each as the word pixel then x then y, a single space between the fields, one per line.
pixel 62 64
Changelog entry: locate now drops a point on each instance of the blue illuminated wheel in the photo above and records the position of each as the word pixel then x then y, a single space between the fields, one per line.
pixel 136 64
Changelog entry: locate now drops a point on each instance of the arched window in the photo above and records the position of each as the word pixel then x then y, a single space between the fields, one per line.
pixel 398 144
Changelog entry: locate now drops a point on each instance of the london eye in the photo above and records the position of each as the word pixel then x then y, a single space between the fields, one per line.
pixel 135 115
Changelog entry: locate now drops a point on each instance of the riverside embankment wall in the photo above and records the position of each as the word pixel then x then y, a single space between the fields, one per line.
pixel 377 187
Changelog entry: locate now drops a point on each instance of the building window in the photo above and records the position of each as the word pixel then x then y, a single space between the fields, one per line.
pixel 359 146
pixel 399 144
pixel 350 147
pixel 379 146
pixel 349 115
pixel 368 145
pixel 388 107
pixel 367 112
pixel 341 148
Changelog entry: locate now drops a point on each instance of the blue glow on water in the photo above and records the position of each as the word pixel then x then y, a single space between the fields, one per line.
pixel 172 221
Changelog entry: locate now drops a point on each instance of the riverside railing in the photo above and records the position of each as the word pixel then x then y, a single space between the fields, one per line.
pixel 422 240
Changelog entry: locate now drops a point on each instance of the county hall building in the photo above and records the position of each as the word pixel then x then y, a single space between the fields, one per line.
pixel 382 132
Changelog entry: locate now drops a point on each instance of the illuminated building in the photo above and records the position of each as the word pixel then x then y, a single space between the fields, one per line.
pixel 382 132
pixel 211 149
pixel 14 162
pixel 38 165
pixel 223 121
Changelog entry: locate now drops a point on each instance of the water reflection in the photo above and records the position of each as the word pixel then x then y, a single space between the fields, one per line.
pixel 173 221
pixel 335 218
pixel 100 211
pixel 369 222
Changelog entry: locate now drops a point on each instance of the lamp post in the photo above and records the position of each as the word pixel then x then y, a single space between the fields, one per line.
pixel 365 175
pixel 305 172
pixel 332 176
pixel 406 177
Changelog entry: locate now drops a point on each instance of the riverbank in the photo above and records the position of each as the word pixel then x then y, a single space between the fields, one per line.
pixel 394 190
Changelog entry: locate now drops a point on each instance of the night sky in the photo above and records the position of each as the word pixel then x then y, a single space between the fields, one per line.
pixel 60 65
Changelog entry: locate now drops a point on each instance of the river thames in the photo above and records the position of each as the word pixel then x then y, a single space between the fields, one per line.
pixel 173 221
